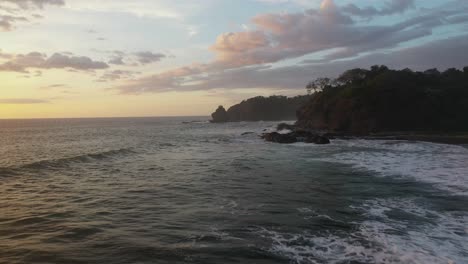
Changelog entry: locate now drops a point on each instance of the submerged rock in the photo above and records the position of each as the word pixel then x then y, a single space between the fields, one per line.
pixel 320 140
pixel 296 136
pixel 280 138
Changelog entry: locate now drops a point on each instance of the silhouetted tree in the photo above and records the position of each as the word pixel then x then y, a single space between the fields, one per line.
pixel 317 85
pixel 352 76
pixel 381 99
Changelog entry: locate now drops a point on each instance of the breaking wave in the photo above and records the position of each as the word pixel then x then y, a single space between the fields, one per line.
pixel 444 166
pixel 396 231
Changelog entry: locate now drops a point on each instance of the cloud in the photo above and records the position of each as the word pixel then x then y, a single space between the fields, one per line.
pixel 23 101
pixel 30 4
pixel 116 75
pixel 37 60
pixel 60 61
pixel 7 21
pixel 117 60
pixel 442 54
pixel 390 8
pixel 147 57
pixel 14 11
pixel 331 33
pixel 229 46
pixel 135 58
pixel 284 36
pixel 166 9
pixel 53 86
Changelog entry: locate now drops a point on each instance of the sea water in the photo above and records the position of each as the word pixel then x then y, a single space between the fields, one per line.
pixel 169 190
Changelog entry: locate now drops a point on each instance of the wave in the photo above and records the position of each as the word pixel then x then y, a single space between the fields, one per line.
pixel 444 166
pixel 416 235
pixel 64 162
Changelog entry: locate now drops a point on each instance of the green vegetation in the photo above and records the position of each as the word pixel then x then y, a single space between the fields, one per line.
pixel 363 101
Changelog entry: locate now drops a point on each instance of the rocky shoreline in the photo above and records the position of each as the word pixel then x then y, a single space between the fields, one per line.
pixel 288 134
pixel 296 136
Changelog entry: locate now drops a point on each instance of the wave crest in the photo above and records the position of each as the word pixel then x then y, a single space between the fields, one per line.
pixel 64 162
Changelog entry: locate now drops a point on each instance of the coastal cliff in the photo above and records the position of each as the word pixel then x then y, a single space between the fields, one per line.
pixel 260 108
pixel 380 100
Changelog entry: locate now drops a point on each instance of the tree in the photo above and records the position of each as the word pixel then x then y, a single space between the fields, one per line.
pixel 353 75
pixel 433 71
pixel 318 85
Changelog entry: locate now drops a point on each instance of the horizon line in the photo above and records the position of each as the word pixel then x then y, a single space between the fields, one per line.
pixel 98 117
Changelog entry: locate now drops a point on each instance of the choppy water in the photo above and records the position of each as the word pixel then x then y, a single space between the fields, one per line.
pixel 156 190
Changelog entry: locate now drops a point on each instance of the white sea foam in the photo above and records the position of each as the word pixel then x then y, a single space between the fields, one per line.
pixel 285 131
pixel 445 166
pixel 436 238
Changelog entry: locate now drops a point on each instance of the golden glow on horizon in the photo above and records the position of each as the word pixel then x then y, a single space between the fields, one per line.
pixel 72 58
pixel 81 96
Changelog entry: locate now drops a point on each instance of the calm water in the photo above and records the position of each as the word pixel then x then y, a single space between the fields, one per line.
pixel 155 190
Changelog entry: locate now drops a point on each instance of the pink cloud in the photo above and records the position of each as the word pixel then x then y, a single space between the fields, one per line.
pixel 333 30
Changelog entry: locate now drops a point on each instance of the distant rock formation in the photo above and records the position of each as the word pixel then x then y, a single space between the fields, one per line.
pixel 220 116
pixel 273 108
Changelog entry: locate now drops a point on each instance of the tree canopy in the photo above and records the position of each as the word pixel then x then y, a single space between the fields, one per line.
pixel 381 99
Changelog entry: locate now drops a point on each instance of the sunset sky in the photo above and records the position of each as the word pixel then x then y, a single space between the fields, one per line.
pixel 103 58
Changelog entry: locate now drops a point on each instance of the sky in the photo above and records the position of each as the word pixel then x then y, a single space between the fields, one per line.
pixel 121 58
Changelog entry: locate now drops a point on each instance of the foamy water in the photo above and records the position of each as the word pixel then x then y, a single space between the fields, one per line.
pixel 175 191
pixel 445 166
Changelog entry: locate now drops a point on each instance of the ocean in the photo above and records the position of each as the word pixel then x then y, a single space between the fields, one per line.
pixel 182 190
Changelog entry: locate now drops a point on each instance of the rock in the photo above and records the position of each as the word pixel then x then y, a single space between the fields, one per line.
pixel 247 133
pixel 296 136
pixel 321 140
pixel 220 116
pixel 303 134
pixel 280 138
pixel 317 139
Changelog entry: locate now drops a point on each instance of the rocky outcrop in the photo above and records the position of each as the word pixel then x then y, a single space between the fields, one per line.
pixel 280 138
pixel 273 108
pixel 296 136
pixel 220 116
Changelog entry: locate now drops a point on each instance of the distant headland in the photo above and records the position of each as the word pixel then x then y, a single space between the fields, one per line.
pixel 363 101
pixel 373 103
pixel 273 108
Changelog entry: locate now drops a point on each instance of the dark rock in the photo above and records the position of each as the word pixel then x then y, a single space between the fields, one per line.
pixel 220 116
pixel 247 133
pixel 321 140
pixel 296 136
pixel 317 139
pixel 280 138
pixel 310 139
pixel 303 134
